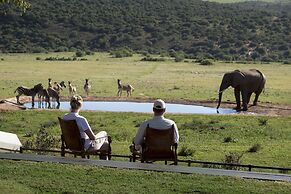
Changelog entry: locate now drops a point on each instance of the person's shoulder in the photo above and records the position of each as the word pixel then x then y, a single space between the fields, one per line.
pixel 80 117
pixel 169 121
pixel 145 123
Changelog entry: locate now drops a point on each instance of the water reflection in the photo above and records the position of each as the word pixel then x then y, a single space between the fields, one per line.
pixel 137 107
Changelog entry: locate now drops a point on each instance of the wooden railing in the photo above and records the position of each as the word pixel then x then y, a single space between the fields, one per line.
pixel 249 167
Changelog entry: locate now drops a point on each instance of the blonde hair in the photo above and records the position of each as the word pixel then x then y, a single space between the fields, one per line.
pixel 76 102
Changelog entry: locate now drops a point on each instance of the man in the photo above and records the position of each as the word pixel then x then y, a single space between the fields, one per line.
pixel 157 122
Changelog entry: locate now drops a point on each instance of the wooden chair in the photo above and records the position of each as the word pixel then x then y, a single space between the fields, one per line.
pixel 158 145
pixel 71 139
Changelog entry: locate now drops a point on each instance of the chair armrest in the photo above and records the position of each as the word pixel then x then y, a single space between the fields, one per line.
pixel 175 145
pixel 109 139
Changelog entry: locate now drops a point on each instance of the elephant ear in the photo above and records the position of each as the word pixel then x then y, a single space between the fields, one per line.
pixel 237 79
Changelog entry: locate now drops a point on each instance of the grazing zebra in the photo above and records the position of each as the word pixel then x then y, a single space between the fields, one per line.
pixel 72 89
pixel 59 86
pixel 22 90
pixel 87 87
pixel 54 95
pixel 128 88
pixel 43 96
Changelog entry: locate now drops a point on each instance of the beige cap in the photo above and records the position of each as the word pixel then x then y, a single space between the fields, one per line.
pixel 159 104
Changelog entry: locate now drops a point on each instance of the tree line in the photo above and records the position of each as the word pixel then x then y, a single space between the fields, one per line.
pixel 239 31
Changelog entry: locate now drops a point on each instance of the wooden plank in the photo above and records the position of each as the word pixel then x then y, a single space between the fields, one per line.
pixel 145 166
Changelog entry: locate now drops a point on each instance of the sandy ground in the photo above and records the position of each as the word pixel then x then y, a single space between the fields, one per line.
pixel 261 108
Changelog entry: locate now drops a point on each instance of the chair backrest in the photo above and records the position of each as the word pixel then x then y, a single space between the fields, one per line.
pixel 159 139
pixel 71 134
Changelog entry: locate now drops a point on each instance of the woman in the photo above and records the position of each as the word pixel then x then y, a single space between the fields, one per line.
pixel 92 142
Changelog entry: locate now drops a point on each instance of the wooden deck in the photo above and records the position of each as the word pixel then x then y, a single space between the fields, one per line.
pixel 149 167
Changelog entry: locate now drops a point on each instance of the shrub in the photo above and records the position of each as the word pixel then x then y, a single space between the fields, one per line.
pixel 62 49
pixel 206 62
pixel 232 158
pixel 176 88
pixel 229 139
pixel 152 59
pixel 44 140
pixel 90 53
pixel 121 53
pixel 286 62
pixel 2 59
pixel 255 148
pixel 184 151
pixel 80 54
pixel 263 122
pixel 179 58
pixel 38 58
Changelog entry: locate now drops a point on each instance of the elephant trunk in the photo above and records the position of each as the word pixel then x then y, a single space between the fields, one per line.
pixel 219 99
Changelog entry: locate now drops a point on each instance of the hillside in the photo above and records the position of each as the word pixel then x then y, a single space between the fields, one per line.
pixel 240 31
pixel 236 1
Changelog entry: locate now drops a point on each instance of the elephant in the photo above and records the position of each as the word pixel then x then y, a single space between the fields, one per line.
pixel 244 83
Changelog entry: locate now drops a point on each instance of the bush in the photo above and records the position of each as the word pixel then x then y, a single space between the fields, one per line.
pixel 2 59
pixel 255 148
pixel 121 53
pixel 90 53
pixel 58 59
pixel 206 62
pixel 229 139
pixel 263 122
pixel 184 151
pixel 38 58
pixel 179 58
pixel 152 59
pixel 286 62
pixel 232 158
pixel 80 54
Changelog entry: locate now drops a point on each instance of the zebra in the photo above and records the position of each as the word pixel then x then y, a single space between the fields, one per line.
pixel 54 95
pixel 43 96
pixel 22 90
pixel 72 89
pixel 59 86
pixel 87 87
pixel 128 88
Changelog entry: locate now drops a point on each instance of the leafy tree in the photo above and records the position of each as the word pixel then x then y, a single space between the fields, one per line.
pixel 19 3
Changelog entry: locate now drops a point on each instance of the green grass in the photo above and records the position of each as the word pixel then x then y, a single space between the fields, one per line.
pixel 167 79
pixel 203 134
pixel 29 177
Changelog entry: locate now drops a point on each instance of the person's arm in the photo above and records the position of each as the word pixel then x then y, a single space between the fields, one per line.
pixel 90 134
pixel 138 139
pixel 176 133
pixel 83 123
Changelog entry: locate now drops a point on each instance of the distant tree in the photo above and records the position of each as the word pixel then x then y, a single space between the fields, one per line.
pixel 19 3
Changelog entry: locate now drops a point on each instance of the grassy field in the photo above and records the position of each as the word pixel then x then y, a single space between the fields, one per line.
pixel 170 80
pixel 20 177
pixel 203 136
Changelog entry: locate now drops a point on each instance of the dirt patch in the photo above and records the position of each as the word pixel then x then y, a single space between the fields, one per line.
pixel 262 108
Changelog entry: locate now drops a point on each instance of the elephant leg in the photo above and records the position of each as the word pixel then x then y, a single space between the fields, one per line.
pixel 245 100
pixel 256 98
pixel 237 98
pixel 249 97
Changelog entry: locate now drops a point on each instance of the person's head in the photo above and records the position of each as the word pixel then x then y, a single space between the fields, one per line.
pixel 76 103
pixel 159 107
